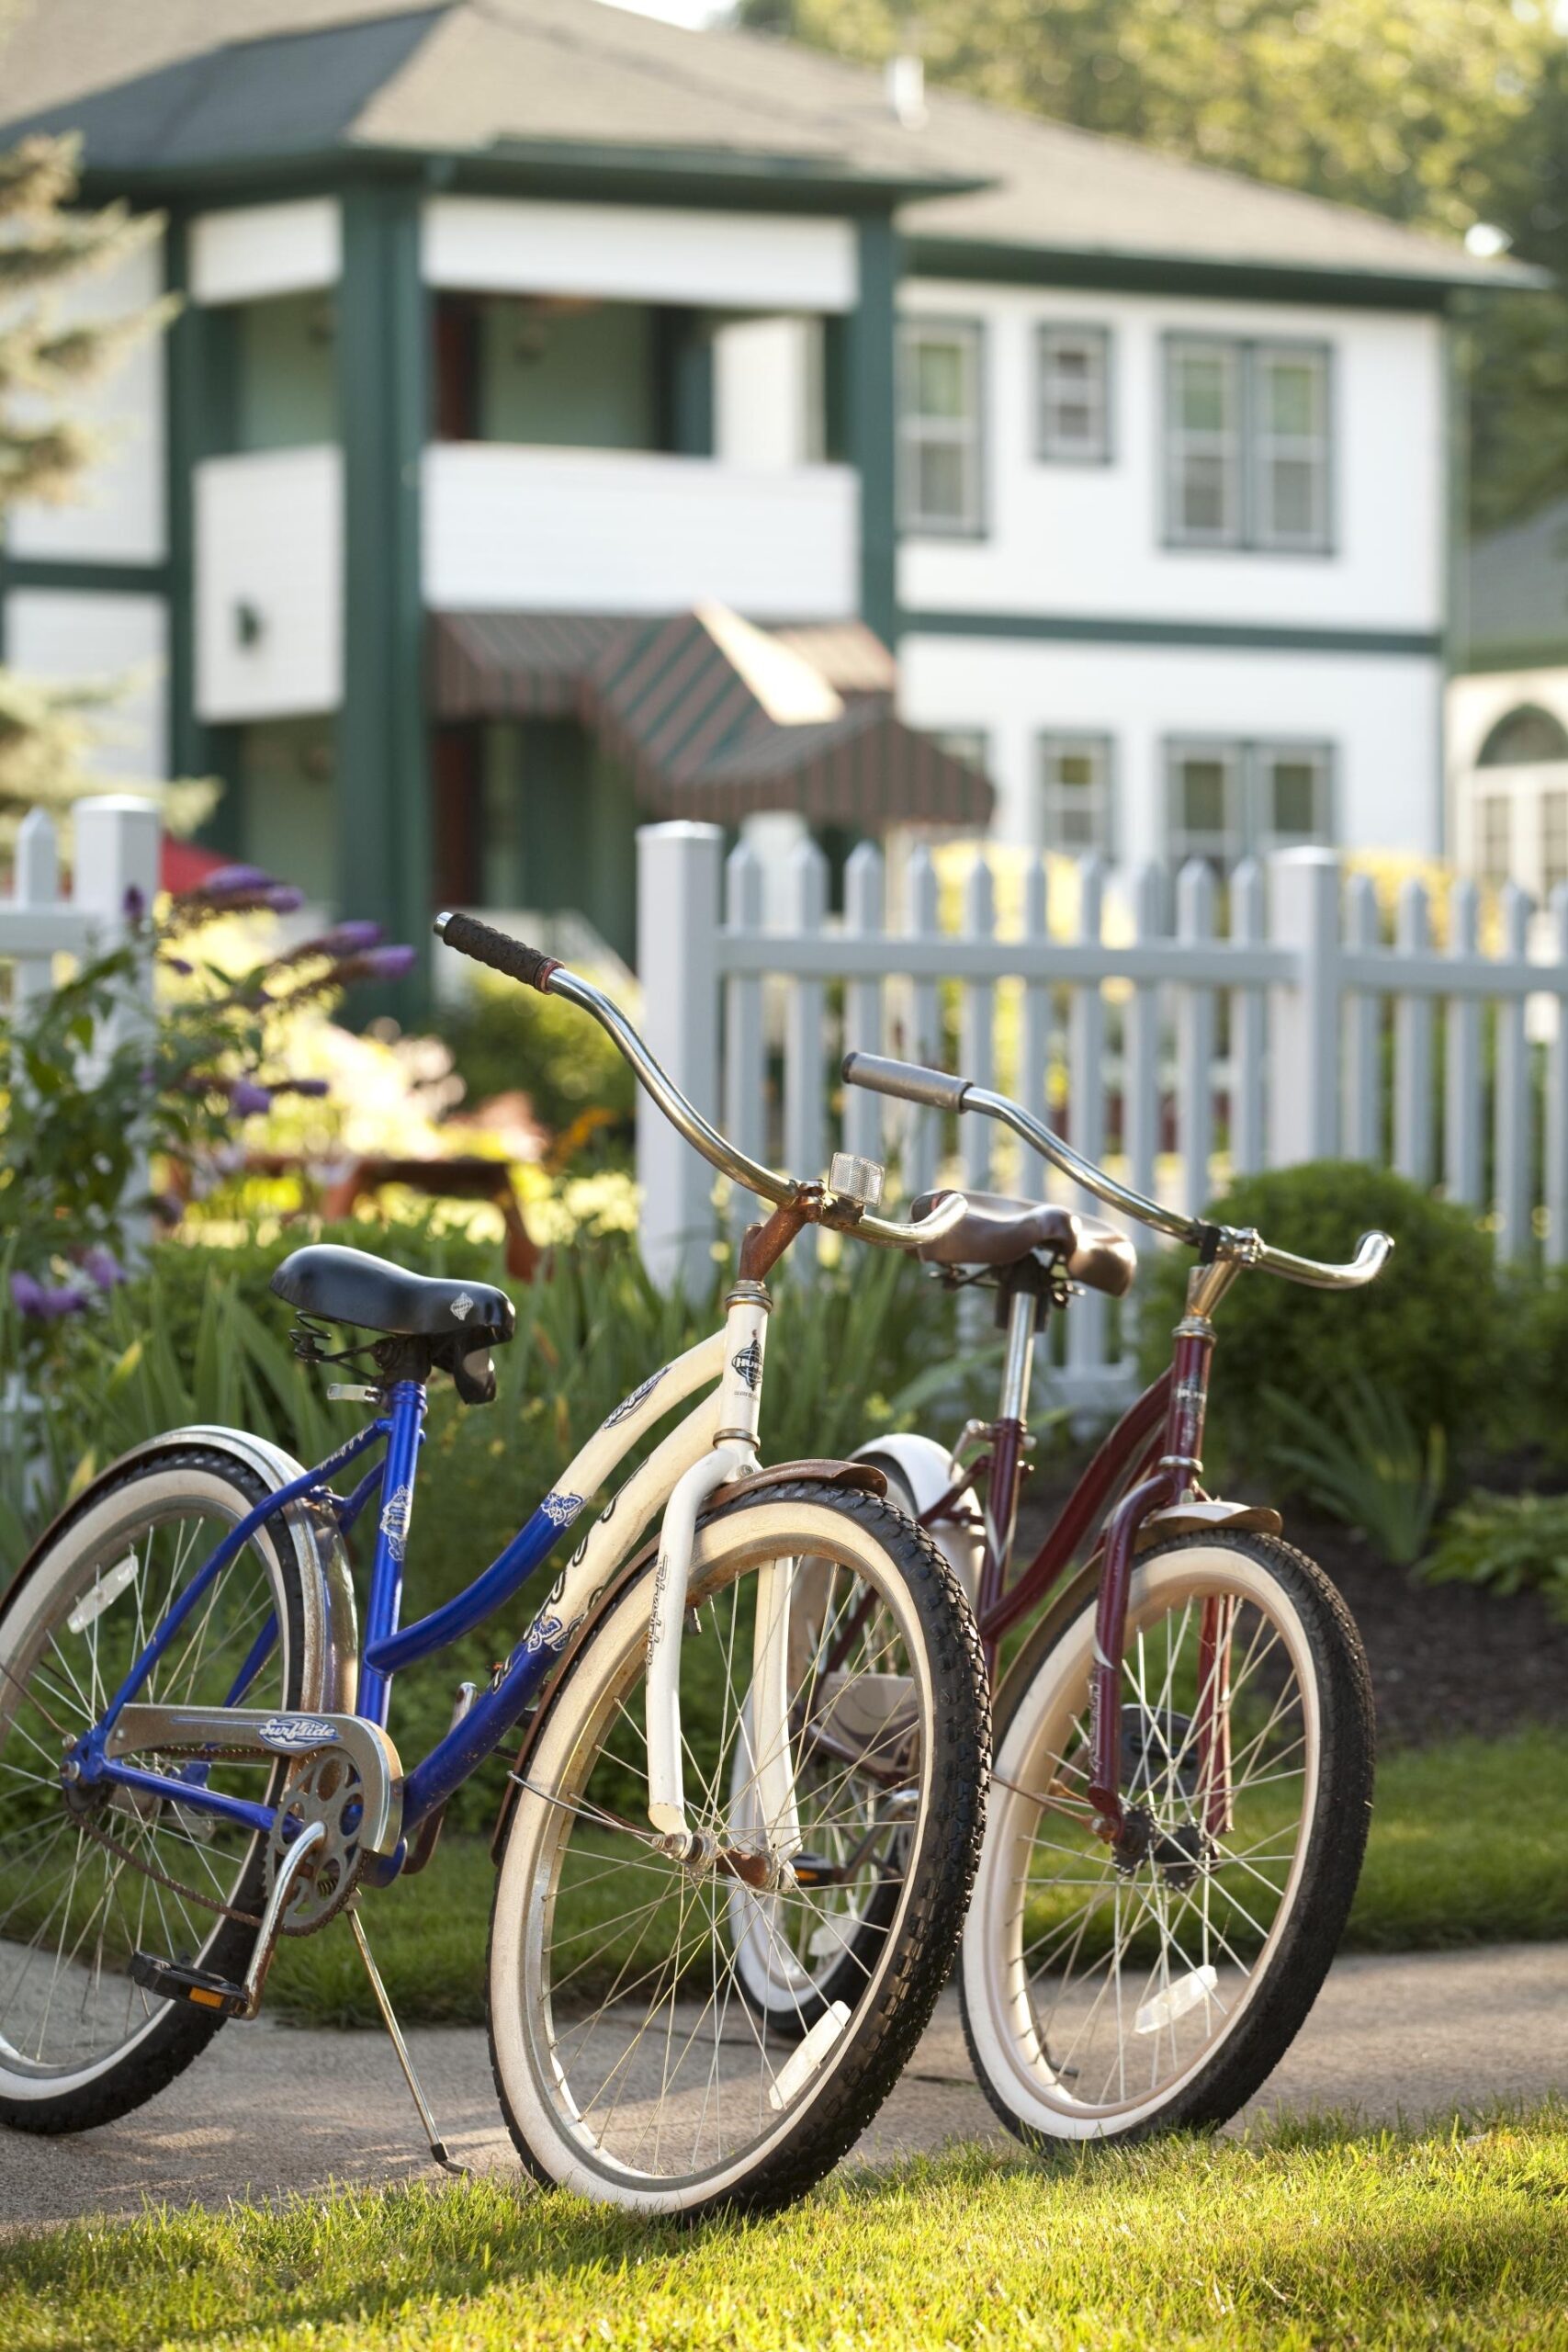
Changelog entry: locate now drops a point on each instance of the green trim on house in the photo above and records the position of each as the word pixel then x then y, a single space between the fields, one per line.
pixel 1535 653
pixel 1010 265
pixel 84 576
pixel 545 168
pixel 870 374
pixel 197 400
pixel 383 789
pixel 1263 637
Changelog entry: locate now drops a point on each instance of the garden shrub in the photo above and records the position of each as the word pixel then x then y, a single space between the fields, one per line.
pixel 1506 1544
pixel 1537 1388
pixel 1427 1333
pixel 502 1038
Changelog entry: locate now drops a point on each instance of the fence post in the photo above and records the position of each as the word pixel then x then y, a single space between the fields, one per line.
pixel 1512 1109
pixel 678 874
pixel 1304 1045
pixel 116 863
pixel 36 885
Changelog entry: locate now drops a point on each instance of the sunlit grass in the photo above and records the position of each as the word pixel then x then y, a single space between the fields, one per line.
pixel 1290 2239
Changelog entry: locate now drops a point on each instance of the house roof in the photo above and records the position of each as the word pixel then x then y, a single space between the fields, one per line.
pixel 1515 594
pixel 157 92
pixel 714 717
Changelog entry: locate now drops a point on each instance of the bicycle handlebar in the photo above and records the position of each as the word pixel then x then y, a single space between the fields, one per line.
pixel 534 969
pixel 940 1090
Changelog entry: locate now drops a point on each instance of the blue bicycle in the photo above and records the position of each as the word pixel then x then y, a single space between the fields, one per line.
pixel 195 1757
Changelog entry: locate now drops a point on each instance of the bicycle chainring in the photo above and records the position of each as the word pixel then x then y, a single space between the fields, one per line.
pixel 328 1790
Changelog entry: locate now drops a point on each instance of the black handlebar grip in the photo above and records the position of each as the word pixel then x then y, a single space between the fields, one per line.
pixel 498 949
pixel 909 1082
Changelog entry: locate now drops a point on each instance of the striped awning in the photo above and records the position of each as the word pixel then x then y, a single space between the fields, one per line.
pixel 715 718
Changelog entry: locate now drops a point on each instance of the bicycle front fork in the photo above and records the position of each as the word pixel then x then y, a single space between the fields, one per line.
pixel 733 1456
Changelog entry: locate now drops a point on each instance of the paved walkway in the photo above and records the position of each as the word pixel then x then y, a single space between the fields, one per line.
pixel 268 2110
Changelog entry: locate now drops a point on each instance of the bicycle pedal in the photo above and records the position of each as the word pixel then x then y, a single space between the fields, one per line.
pixel 198 1985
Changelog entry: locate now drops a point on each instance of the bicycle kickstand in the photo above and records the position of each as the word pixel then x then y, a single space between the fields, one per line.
pixel 389 2018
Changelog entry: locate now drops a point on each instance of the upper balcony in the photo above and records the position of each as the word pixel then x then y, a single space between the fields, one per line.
pixel 611 455
pixel 625 531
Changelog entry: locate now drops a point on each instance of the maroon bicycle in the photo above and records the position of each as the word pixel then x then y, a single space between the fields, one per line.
pixel 1183 1739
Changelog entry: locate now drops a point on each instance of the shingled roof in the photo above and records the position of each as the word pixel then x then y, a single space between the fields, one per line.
pixel 166 87
pixel 714 717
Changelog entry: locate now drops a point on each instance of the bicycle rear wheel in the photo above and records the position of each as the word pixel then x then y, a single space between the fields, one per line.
pixel 1106 1997
pixel 629 2063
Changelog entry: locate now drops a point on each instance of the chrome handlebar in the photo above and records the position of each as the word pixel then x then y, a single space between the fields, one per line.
pixel 938 1090
pixel 532 969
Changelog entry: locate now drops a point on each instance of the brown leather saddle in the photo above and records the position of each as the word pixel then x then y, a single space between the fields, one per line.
pixel 997 1232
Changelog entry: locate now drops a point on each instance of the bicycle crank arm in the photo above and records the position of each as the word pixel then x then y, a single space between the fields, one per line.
pixel 173 1980
pixel 250 1731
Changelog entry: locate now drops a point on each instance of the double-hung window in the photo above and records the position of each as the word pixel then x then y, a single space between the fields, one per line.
pixel 940 427
pixel 1227 800
pixel 1075 795
pixel 1247 445
pixel 1072 394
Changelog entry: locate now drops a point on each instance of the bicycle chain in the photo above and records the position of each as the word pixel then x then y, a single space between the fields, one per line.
pixel 174 1885
pixel 163 1877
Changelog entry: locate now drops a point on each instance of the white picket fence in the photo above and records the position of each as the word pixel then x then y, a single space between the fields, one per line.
pixel 1272 1039
pixel 115 855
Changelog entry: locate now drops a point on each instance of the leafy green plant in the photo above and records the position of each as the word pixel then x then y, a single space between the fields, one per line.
pixel 1506 1544
pixel 98 1079
pixel 502 1038
pixel 1429 1334
pixel 1537 1383
pixel 1362 1462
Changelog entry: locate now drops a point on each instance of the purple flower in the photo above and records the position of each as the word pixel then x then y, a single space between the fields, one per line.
pixel 102 1267
pixel 246 1099
pixel 387 963
pixel 42 1303
pixel 178 964
pixel 314 1088
pixel 230 878
pixel 135 904
pixel 344 939
pixel 282 898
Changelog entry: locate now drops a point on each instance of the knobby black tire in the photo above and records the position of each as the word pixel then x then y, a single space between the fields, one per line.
pixel 888 2021
pixel 163 2053
pixel 1311 1933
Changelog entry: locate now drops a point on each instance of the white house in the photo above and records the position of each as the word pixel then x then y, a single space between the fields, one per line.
pixel 572 417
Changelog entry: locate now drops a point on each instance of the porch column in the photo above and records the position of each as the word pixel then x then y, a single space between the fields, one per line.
pixel 871 418
pixel 383 790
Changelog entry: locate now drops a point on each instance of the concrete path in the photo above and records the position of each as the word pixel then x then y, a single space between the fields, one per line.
pixel 269 2110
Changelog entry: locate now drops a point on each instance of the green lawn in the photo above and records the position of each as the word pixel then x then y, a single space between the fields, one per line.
pixel 1469 1845
pixel 1295 2239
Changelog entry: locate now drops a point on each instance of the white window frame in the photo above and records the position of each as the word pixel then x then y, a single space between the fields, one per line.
pixel 1056 798
pixel 1503 801
pixel 1226 847
pixel 1264 836
pixel 1314 448
pixel 1248 763
pixel 1052 392
pixel 965 433
pixel 1552 819
pixel 1225 442
pixel 1246 446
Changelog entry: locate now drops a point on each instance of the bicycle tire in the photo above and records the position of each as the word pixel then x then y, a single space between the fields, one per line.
pixel 839 2094
pixel 1010 2046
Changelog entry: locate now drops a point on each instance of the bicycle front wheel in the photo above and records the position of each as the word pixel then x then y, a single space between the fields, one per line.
pixel 1106 1996
pixel 88 1878
pixel 630 2064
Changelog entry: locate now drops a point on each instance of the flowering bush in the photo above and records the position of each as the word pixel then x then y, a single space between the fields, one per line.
pixel 104 1078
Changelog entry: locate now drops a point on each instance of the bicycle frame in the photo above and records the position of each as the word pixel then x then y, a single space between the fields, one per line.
pixel 713 1442
pixel 1153 1457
